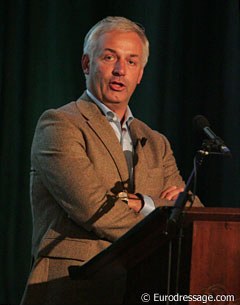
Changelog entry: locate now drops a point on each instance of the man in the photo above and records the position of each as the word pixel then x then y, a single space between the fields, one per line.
pixel 96 171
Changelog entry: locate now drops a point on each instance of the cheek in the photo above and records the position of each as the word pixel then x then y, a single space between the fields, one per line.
pixel 101 69
pixel 96 74
pixel 99 80
pixel 134 81
pixel 132 88
pixel 100 75
pixel 139 78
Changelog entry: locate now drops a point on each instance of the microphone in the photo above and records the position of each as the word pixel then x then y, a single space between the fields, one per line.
pixel 201 124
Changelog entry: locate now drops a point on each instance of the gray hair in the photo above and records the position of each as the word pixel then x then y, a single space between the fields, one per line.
pixel 112 23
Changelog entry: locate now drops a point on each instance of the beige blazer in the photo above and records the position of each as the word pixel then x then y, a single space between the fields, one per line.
pixel 78 167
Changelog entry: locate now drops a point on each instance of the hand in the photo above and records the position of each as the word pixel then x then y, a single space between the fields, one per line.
pixel 134 203
pixel 171 193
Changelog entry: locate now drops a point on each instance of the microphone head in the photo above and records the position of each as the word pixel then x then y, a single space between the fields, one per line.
pixel 200 122
pixel 213 144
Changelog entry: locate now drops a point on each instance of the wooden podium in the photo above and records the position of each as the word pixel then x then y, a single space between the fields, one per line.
pixel 199 256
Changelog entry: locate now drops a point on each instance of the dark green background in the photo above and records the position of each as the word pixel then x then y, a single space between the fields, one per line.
pixel 194 68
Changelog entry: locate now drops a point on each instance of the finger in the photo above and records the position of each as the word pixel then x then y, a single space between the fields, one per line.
pixel 168 190
pixel 174 194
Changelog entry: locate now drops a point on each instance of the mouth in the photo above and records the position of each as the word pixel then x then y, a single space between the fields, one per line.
pixel 116 85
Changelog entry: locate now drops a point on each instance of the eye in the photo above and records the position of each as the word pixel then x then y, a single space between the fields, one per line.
pixel 109 57
pixel 132 63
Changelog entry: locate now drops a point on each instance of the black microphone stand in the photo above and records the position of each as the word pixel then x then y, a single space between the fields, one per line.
pixel 175 219
pixel 185 196
pixel 174 222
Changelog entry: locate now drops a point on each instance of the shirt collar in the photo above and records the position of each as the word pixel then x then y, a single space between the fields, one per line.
pixel 110 115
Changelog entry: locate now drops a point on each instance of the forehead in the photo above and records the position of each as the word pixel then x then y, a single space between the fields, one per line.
pixel 123 42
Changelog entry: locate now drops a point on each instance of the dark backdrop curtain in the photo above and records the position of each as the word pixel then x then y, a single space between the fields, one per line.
pixel 194 68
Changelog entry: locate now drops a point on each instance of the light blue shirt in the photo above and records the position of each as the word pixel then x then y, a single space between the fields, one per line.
pixel 122 132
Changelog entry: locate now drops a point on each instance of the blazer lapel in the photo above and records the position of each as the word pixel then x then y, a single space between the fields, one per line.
pixel 139 160
pixel 100 125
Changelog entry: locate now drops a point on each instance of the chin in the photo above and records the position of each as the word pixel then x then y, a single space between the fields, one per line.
pixel 117 99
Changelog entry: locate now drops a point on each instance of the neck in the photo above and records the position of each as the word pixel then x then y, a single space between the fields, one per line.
pixel 117 107
pixel 120 110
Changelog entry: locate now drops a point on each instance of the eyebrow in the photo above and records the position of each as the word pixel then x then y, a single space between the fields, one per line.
pixel 115 52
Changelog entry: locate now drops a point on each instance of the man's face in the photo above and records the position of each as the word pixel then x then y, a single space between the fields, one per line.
pixel 116 67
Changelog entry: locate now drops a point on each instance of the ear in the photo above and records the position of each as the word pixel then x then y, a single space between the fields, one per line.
pixel 140 76
pixel 85 63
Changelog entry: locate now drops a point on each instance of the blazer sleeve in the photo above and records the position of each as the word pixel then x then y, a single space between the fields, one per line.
pixel 172 176
pixel 169 175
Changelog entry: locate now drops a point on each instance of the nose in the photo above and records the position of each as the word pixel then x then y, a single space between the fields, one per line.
pixel 119 68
